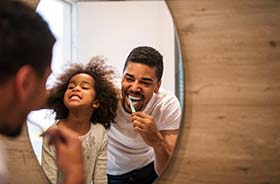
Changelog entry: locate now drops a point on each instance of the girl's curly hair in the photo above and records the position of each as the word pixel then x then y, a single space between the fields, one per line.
pixel 106 92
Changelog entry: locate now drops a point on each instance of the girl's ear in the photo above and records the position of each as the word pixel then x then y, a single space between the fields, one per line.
pixel 95 104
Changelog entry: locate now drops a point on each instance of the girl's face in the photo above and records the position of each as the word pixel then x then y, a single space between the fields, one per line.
pixel 80 92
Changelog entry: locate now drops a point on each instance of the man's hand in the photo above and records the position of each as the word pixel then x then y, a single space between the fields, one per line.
pixel 144 125
pixel 163 142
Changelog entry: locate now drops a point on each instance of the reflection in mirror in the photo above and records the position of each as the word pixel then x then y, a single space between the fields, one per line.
pixel 110 28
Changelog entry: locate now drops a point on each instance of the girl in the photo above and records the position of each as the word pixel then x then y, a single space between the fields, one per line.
pixel 85 100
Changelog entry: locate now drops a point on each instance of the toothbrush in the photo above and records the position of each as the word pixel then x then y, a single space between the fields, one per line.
pixel 131 104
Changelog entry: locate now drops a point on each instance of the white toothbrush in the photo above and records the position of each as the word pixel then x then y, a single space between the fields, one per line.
pixel 131 104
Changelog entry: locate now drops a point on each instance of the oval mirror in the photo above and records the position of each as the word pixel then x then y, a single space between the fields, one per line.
pixel 110 28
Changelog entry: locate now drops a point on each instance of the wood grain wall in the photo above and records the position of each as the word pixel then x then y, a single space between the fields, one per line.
pixel 231 131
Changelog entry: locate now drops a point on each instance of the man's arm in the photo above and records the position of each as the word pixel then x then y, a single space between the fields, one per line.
pixel 163 142
pixel 164 151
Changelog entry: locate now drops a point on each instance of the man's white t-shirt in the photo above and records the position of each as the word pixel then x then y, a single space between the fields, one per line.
pixel 126 149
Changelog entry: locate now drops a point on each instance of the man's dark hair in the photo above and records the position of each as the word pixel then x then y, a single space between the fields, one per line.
pixel 148 56
pixel 25 39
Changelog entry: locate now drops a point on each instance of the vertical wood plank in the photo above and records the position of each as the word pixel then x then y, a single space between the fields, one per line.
pixel 230 131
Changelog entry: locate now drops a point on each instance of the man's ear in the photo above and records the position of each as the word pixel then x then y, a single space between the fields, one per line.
pixel 25 83
pixel 158 86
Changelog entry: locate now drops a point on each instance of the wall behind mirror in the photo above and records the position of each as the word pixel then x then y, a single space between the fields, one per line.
pixel 111 29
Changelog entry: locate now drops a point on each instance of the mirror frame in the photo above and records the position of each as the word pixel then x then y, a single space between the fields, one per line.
pixel 179 91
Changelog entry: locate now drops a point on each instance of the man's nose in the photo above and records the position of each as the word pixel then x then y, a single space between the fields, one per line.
pixel 135 86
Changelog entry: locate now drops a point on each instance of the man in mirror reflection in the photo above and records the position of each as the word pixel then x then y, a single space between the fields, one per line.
pixel 26 44
pixel 140 143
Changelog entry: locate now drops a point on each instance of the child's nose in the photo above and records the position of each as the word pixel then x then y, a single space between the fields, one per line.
pixel 76 88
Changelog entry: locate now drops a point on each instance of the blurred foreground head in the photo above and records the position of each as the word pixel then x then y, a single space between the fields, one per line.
pixel 26 44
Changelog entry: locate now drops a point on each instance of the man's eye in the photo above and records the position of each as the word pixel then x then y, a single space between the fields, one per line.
pixel 146 83
pixel 129 79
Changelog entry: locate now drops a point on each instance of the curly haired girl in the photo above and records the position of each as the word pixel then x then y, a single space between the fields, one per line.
pixel 85 100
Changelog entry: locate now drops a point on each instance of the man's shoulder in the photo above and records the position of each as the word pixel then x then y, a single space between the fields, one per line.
pixel 166 94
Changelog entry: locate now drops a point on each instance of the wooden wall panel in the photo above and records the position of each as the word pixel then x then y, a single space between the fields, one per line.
pixel 230 132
